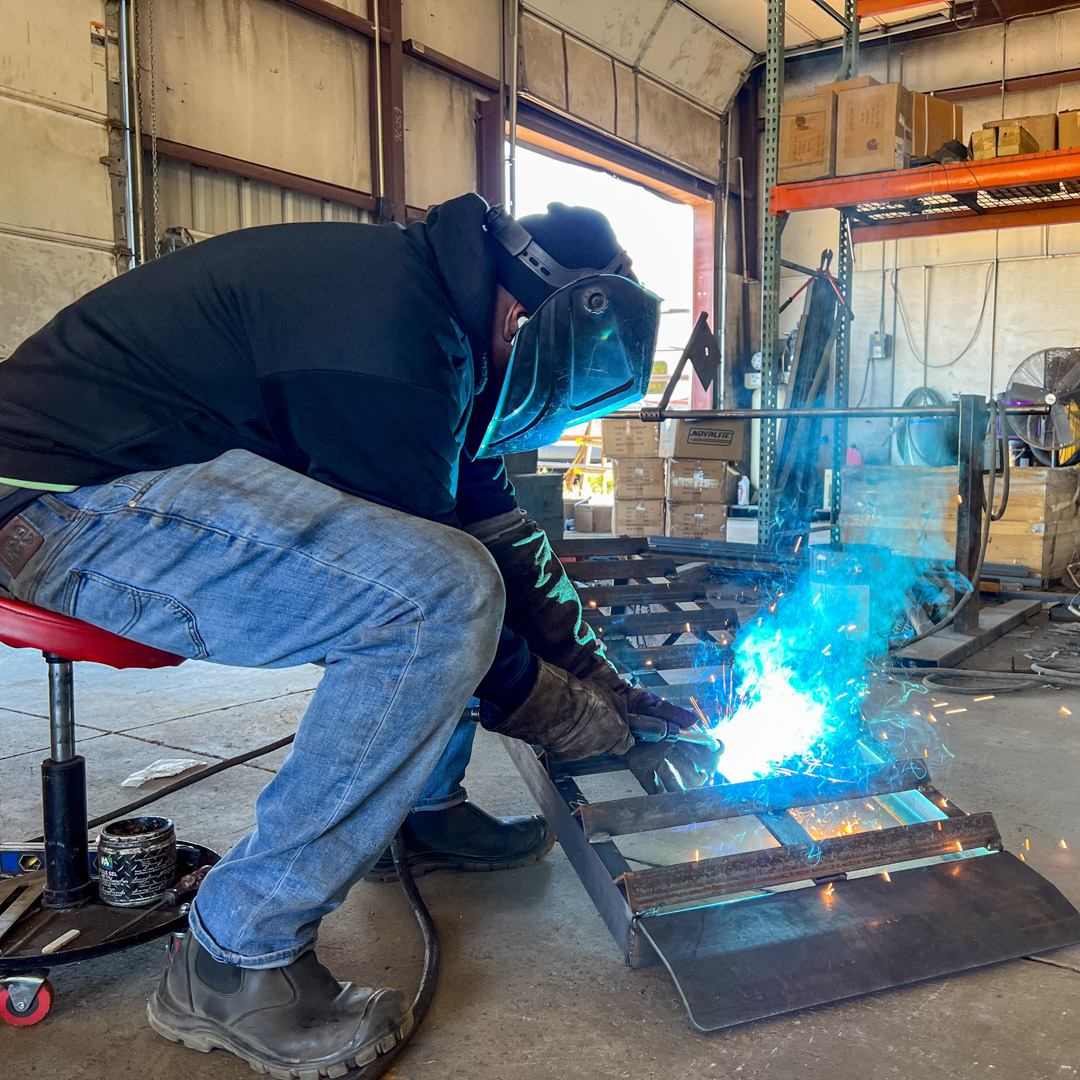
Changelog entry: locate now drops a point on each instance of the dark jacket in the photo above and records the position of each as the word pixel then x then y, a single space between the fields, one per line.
pixel 351 353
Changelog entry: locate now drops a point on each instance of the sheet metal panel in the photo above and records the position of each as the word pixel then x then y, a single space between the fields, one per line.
pixel 761 957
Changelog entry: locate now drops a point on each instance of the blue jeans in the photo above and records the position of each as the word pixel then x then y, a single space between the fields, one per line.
pixel 240 561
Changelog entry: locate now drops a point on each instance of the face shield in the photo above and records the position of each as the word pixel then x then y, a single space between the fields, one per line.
pixel 586 351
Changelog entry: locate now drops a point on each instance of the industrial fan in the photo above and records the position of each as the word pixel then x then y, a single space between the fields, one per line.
pixel 1049 377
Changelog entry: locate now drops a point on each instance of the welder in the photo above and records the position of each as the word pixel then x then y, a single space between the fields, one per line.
pixel 282 446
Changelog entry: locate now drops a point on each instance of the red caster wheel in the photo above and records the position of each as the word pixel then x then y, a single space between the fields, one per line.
pixel 25 1001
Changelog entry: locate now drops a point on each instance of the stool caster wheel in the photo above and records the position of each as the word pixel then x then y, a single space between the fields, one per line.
pixel 25 999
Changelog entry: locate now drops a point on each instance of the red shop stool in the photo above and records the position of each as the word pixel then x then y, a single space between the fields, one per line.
pixel 49 890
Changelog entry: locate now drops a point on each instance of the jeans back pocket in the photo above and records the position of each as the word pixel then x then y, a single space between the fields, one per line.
pixel 151 618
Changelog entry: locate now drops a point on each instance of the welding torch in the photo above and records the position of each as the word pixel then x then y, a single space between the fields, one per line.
pixel 652 729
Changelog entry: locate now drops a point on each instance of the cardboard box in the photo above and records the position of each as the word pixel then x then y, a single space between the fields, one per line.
pixel 934 122
pixel 629 438
pixel 1014 138
pixel 1069 130
pixel 873 129
pixel 699 521
pixel 807 139
pixel 983 144
pixel 847 84
pixel 638 517
pixel 638 478
pixel 701 481
pixel 1043 128
pixel 712 440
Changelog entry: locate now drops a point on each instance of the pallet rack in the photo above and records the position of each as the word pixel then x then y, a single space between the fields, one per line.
pixel 1024 190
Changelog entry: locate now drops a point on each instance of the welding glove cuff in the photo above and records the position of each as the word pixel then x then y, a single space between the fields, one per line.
pixel 542 604
pixel 571 718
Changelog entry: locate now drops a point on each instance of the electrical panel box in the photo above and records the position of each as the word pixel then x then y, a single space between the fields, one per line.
pixel 880 345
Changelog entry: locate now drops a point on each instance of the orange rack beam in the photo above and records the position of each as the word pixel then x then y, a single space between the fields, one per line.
pixel 1028 189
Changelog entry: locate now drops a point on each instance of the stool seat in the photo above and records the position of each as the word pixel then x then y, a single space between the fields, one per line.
pixel 23 626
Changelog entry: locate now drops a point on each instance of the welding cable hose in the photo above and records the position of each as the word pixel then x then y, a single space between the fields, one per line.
pixel 429 975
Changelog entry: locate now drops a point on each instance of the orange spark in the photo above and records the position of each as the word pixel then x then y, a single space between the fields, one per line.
pixel 949 712
pixel 1063 845
pixel 1065 712
pixel 985 697
pixel 1027 844
pixel 885 875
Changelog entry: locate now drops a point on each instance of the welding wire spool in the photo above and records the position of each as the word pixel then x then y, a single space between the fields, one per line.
pixel 136 861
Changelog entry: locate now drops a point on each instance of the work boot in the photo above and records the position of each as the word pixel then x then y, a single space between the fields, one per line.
pixel 464 837
pixel 291 1022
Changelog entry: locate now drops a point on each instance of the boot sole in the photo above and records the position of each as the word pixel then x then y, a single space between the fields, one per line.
pixel 423 865
pixel 181 1029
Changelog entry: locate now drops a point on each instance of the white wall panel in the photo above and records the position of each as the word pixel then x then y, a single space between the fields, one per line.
pixel 265 82
pixel 467 30
pixel 590 84
pixel 47 51
pixel 50 173
pixel 38 278
pixel 620 27
pixel 689 53
pixel 440 135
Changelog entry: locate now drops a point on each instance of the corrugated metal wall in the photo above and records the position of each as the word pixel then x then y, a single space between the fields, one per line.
pixel 210 201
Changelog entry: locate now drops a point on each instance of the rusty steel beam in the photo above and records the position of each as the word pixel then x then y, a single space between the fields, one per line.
pixel 665 622
pixel 967 176
pixel 426 54
pixel 336 14
pixel 620 570
pixel 209 159
pixel 607 595
pixel 583 547
pixel 647 890
pixel 664 657
pixel 388 126
pixel 776 794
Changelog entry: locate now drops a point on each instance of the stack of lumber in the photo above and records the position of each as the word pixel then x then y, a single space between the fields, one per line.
pixel 912 510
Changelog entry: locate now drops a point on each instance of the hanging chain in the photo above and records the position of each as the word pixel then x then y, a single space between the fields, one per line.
pixel 154 159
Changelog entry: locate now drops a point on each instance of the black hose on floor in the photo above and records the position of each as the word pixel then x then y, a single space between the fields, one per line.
pixel 429 976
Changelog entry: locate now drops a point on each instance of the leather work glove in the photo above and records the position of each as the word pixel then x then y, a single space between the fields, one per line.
pixel 570 718
pixel 672 766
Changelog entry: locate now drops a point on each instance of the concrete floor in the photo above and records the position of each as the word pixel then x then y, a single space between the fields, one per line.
pixel 533 987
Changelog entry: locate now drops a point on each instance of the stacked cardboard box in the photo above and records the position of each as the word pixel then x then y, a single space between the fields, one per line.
pixel 1021 135
pixel 1069 130
pixel 634 449
pixel 675 478
pixel 700 482
pixel 860 126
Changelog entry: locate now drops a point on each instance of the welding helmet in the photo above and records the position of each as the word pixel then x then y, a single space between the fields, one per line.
pixel 586 349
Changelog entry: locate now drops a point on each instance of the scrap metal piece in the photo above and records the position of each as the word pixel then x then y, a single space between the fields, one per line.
pixel 767 955
pixel 647 890
pixel 620 817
